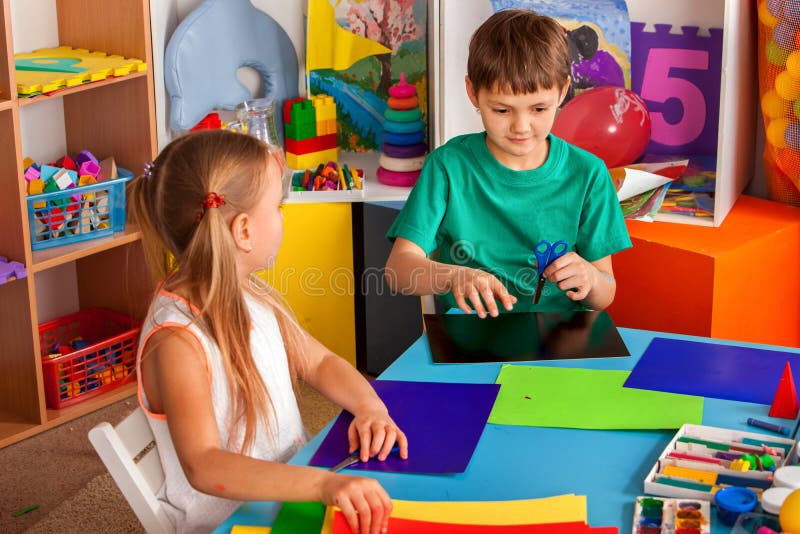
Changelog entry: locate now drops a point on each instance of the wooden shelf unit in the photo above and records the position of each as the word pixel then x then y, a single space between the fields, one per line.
pixel 114 117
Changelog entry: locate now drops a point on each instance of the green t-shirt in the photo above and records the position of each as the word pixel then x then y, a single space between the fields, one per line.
pixel 478 213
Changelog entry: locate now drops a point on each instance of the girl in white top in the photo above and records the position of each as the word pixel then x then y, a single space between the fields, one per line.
pixel 220 350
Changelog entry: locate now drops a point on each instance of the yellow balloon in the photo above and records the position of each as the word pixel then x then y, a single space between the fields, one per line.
pixel 776 133
pixel 790 512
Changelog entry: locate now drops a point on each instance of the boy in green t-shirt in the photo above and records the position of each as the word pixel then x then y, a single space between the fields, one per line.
pixel 484 201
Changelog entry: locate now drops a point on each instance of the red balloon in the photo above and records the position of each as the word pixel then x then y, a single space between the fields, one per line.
pixel 610 122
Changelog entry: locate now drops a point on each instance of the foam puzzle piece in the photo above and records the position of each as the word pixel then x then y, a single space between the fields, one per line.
pixel 11 270
pixel 207 49
pixel 95 66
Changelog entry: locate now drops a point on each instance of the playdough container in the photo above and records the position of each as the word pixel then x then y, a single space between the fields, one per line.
pixel 731 502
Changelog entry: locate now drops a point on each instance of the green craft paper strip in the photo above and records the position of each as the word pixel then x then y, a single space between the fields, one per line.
pixel 299 517
pixel 586 398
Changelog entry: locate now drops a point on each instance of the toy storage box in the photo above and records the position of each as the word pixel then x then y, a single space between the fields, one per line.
pixel 454 21
pixel 652 487
pixel 78 214
pixel 107 360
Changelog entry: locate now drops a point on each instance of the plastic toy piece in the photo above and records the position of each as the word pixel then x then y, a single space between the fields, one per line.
pixel 326 127
pixel 785 403
pixel 313 144
pixel 66 162
pixel 11 270
pixel 31 174
pixel 740 465
pixel 310 160
pixel 108 170
pixel 402 89
pixel 396 115
pixel 84 156
pixel 90 168
pixel 324 106
pixel 209 122
pixel 403 104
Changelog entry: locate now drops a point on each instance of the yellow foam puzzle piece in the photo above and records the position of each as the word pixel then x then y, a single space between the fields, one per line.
pixel 98 65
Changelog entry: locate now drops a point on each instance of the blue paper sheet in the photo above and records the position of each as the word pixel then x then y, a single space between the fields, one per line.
pixel 729 372
pixel 443 423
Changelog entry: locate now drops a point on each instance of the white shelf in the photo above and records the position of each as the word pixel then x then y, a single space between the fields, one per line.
pixel 374 191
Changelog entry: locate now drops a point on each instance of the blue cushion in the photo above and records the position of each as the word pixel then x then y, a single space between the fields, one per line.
pixel 207 49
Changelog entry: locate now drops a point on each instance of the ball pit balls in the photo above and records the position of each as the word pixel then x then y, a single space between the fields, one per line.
pixel 792 135
pixel 766 18
pixel 775 7
pixel 785 34
pixel 796 109
pixel 793 64
pixel 775 54
pixel 776 132
pixel 773 106
pixel 786 86
pixel 788 161
pixel 791 10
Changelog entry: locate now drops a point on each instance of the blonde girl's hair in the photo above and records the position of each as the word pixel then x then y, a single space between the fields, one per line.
pixel 165 203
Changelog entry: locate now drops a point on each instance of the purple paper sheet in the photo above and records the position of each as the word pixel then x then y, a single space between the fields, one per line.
pixel 744 374
pixel 443 423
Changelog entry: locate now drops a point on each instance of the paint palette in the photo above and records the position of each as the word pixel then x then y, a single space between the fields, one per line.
pixel 700 460
pixel 671 516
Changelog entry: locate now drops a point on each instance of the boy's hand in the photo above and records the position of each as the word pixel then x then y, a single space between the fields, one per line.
pixel 482 289
pixel 374 433
pixel 572 274
pixel 363 501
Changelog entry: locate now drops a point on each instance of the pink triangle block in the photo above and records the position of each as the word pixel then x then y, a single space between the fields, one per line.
pixel 785 403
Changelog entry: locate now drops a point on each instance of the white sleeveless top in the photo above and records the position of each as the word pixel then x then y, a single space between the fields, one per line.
pixel 190 510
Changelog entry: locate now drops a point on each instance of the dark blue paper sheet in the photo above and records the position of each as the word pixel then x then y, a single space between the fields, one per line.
pixel 729 372
pixel 443 423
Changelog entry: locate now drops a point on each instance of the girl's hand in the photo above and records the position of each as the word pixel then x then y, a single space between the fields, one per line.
pixel 572 274
pixel 482 289
pixel 374 433
pixel 363 501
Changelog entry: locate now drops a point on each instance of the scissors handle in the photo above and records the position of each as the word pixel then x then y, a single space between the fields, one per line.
pixel 547 252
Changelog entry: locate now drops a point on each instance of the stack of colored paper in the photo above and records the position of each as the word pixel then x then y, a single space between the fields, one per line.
pixel 563 514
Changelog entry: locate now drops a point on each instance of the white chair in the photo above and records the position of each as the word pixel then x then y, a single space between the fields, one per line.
pixel 138 481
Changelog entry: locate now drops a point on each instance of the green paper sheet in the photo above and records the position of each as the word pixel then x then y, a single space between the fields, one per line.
pixel 586 398
pixel 299 517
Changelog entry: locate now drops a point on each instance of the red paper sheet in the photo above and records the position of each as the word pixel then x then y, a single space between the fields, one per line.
pixel 410 526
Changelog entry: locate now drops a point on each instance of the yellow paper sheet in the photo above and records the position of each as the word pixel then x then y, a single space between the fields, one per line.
pixel 560 509
pixel 247 529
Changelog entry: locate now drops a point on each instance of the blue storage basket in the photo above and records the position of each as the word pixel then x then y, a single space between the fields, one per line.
pixel 79 213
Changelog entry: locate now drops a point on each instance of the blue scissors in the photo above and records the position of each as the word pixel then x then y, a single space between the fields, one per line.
pixel 546 253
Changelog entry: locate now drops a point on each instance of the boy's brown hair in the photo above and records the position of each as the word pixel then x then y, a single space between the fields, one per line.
pixel 518 50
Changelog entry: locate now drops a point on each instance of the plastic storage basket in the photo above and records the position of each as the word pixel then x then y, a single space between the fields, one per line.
pixel 105 358
pixel 79 213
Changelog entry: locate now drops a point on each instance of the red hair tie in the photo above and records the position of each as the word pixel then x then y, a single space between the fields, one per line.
pixel 212 200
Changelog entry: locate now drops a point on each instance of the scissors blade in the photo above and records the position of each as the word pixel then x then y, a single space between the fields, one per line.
pixel 347 462
pixel 356 457
pixel 539 286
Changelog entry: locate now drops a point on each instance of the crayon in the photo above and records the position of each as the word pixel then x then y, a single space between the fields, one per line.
pixel 768 426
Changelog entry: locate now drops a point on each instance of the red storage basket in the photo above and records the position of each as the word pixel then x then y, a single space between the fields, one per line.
pixel 105 363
